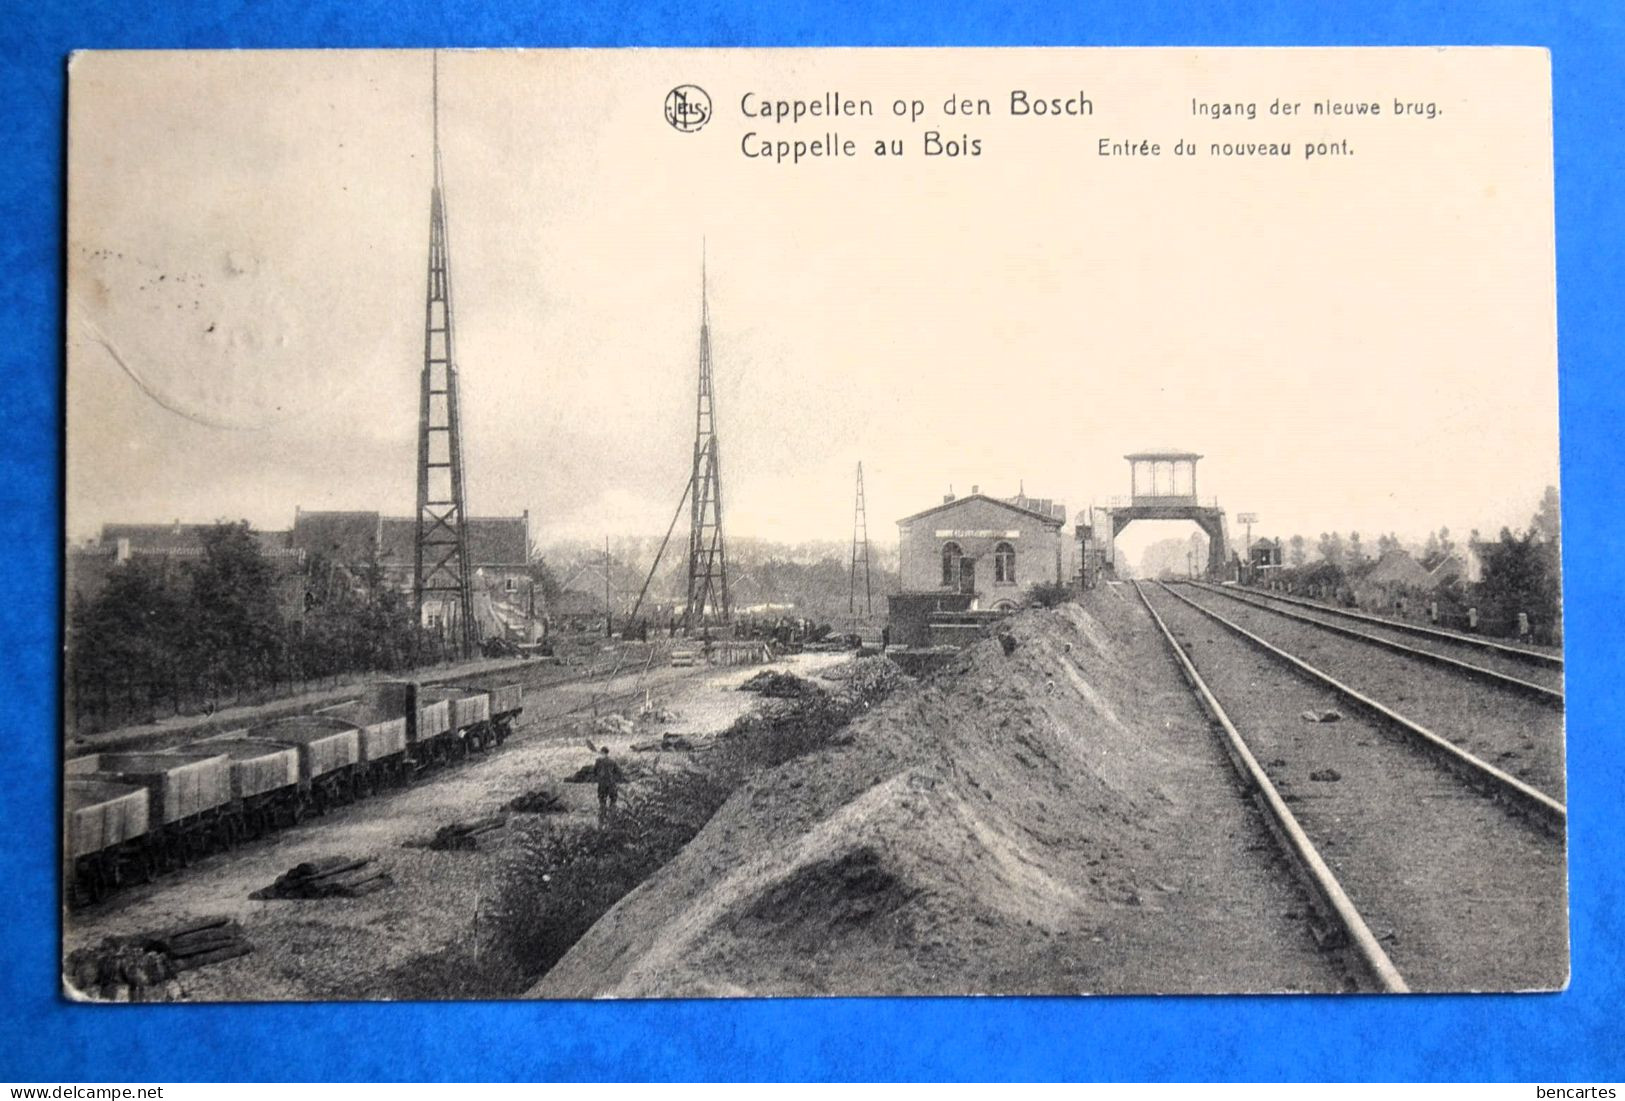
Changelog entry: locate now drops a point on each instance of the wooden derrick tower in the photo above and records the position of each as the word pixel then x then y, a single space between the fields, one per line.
pixel 860 552
pixel 707 599
pixel 441 574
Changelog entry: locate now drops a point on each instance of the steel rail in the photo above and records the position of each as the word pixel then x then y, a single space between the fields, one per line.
pixel 1549 696
pixel 1554 661
pixel 1372 963
pixel 1548 811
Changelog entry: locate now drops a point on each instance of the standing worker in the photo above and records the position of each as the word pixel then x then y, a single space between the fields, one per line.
pixel 608 775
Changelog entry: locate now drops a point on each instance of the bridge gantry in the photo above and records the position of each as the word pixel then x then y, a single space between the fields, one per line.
pixel 1162 486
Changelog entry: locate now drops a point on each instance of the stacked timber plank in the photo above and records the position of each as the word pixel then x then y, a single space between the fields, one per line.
pixel 144 968
pixel 330 877
pixel 466 835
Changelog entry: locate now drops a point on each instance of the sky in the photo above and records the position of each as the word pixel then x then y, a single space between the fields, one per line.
pixel 1365 342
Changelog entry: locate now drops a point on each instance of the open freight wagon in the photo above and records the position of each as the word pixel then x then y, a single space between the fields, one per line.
pixel 129 816
pixel 188 799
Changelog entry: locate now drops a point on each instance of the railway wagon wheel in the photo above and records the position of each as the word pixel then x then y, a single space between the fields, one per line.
pixel 364 785
pixel 224 835
pixel 145 861
pixel 476 738
pixel 88 886
pixel 503 730
pixel 176 843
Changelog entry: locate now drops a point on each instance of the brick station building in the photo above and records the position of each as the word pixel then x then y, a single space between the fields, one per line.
pixel 991 548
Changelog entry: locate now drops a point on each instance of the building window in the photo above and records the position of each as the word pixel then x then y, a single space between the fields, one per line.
pixel 509 584
pixel 1004 564
pixel 951 554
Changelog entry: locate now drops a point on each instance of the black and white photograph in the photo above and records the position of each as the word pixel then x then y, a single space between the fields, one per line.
pixel 623 524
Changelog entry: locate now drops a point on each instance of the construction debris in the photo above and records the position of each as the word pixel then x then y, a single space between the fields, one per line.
pixel 784 686
pixel 1326 775
pixel 666 743
pixel 615 725
pixel 462 836
pixel 545 800
pixel 1322 716
pixel 867 678
pixel 143 968
pixel 331 877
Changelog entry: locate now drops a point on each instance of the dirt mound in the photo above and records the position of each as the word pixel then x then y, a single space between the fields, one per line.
pixel 961 837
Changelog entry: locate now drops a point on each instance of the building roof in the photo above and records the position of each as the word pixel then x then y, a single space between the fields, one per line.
pixel 492 540
pixel 1043 505
pixel 1396 567
pixel 345 536
pixel 156 538
pixel 181 539
pixel 499 540
pixel 576 602
pixel 1049 519
pixel 1162 456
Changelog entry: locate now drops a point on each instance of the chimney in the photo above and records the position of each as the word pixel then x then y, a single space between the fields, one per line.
pixel 948 498
pixel 974 490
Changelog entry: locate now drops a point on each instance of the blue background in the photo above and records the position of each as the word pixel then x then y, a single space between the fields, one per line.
pixel 1575 1036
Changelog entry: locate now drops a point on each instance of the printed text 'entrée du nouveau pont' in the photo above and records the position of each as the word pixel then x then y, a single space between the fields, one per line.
pixel 944 128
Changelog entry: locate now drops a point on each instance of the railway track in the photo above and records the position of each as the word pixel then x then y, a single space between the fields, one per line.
pixel 1432 652
pixel 1486 649
pixel 1423 881
pixel 1480 726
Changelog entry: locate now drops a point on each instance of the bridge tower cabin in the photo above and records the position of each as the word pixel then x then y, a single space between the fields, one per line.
pixel 1162 486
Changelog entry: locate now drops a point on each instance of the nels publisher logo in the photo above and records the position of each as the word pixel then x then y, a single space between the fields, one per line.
pixel 688 108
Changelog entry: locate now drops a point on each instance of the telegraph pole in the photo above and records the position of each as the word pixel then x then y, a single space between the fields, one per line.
pixel 1248 518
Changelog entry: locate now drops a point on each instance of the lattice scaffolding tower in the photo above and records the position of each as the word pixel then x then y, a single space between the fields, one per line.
pixel 441 583
pixel 860 551
pixel 707 600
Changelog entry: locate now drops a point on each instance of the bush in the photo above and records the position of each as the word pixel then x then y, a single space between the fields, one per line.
pixel 1048 594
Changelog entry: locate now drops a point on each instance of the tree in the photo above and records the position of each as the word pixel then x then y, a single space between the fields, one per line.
pixel 235 633
pixel 546 582
pixel 1548 523
pixel 1387 544
pixel 1356 550
pixel 1331 549
pixel 1521 575
pixel 133 628
pixel 1298 554
pixel 1432 555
